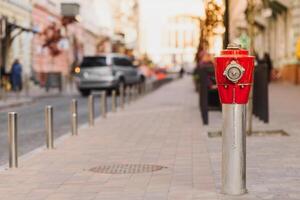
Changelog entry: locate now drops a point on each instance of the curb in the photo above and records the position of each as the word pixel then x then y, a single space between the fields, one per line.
pixel 28 101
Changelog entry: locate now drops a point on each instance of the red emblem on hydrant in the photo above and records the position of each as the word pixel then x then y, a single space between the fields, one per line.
pixel 234 75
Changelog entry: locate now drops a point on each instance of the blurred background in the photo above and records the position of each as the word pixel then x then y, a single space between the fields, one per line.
pixel 53 36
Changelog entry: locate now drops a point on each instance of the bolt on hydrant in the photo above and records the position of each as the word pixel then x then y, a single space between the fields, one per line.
pixel 234 75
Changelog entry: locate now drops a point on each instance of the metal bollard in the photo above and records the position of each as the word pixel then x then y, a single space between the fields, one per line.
pixel 91 110
pixel 143 88
pixel 234 149
pixel 128 94
pixel 12 139
pixel 122 98
pixel 113 101
pixel 134 91
pixel 103 104
pixel 49 126
pixel 139 91
pixel 74 117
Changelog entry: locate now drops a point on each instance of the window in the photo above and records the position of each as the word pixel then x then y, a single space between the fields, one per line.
pixel 122 61
pixel 94 62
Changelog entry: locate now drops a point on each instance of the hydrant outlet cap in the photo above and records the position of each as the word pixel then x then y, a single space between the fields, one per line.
pixel 234 46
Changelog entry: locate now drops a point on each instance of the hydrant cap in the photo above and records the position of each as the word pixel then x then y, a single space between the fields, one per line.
pixel 234 46
pixel 234 49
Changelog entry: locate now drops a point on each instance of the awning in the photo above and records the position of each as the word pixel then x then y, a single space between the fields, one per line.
pixel 277 7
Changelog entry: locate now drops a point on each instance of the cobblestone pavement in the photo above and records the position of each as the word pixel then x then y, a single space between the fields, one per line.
pixel 162 128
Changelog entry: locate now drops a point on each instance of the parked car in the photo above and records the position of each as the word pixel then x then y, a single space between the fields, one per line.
pixel 106 72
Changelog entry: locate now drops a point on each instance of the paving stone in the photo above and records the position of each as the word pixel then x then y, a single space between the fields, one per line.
pixel 162 128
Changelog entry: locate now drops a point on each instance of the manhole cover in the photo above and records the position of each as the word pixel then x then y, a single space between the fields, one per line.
pixel 254 133
pixel 126 168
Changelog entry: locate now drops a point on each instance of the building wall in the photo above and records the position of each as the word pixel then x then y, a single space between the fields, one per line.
pixel 75 42
pixel 168 24
pixel 278 36
pixel 96 20
pixel 42 60
pixel 19 12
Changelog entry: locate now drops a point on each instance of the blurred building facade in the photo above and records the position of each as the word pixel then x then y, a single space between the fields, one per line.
pixel 55 47
pixel 125 34
pixel 276 32
pixel 169 30
pixel 60 45
pixel 17 13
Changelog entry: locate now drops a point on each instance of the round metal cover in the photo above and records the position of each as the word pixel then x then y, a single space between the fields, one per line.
pixel 234 71
pixel 126 168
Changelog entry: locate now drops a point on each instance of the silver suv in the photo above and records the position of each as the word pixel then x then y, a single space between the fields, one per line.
pixel 106 72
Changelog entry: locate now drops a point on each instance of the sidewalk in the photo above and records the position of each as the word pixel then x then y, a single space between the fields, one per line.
pixel 113 160
pixel 273 162
pixel 161 128
pixel 13 99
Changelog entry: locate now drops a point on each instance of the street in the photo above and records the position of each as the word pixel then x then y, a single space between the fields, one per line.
pixel 31 125
pixel 201 100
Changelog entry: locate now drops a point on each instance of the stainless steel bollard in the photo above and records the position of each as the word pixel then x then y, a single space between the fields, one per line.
pixel 122 97
pixel 113 101
pixel 143 88
pixel 74 117
pixel 49 126
pixel 234 149
pixel 128 94
pixel 12 139
pixel 103 104
pixel 135 92
pixel 91 110
pixel 140 90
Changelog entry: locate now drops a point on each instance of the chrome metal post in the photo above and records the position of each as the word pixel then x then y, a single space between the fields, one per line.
pixel 74 117
pixel 113 101
pixel 234 149
pixel 143 90
pixel 139 89
pixel 128 94
pixel 103 104
pixel 132 93
pixel 91 110
pixel 122 99
pixel 49 126
pixel 136 92
pixel 12 139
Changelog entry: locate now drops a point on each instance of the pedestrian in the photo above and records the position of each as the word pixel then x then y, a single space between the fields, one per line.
pixel 181 72
pixel 269 63
pixel 16 75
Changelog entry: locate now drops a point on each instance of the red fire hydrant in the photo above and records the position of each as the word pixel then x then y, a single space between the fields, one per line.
pixel 234 75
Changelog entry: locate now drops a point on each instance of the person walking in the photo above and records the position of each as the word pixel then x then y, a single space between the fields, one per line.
pixel 16 76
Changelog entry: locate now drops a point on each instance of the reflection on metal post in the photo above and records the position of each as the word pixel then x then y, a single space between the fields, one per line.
pixel 49 126
pixel 128 94
pixel 122 100
pixel 91 110
pixel 12 138
pixel 74 117
pixel 140 89
pixel 114 101
pixel 234 149
pixel 135 92
pixel 103 106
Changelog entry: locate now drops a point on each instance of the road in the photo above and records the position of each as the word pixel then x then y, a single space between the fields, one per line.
pixel 31 125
